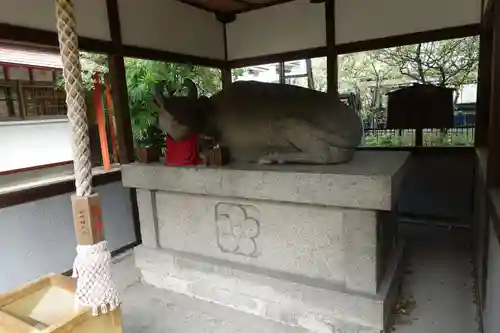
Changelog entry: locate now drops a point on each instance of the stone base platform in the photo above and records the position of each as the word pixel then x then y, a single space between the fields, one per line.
pixel 299 302
pixel 312 247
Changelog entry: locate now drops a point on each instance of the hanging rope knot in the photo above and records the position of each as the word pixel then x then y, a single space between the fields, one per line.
pixel 95 287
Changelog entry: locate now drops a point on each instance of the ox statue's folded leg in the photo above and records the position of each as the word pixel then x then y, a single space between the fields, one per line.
pixel 314 146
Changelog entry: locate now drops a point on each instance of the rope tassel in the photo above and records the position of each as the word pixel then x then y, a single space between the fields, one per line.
pixel 95 288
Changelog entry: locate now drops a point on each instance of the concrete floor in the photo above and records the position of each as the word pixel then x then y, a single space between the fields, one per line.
pixel 437 295
pixel 438 290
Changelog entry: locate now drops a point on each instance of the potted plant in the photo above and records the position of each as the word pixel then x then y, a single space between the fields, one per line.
pixel 150 147
pixel 148 138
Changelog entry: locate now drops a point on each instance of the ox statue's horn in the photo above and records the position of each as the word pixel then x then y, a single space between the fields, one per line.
pixel 158 96
pixel 192 90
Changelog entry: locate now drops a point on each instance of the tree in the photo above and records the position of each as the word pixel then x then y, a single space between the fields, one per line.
pixel 319 73
pixel 364 75
pixel 450 63
pixel 372 74
pixel 236 73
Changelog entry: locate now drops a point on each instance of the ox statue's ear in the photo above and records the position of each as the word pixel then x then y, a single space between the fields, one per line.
pixel 192 89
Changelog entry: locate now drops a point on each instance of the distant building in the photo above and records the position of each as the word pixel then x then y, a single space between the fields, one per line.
pixel 34 128
pixel 271 72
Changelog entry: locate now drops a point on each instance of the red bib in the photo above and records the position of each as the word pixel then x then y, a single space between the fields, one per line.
pixel 182 152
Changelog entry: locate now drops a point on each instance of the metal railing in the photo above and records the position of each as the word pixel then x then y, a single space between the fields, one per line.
pixel 450 137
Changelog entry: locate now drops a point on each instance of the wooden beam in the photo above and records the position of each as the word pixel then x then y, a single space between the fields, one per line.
pixel 484 86
pixel 249 6
pixel 152 54
pixel 57 188
pixel 278 57
pixel 256 6
pixel 493 167
pixel 331 49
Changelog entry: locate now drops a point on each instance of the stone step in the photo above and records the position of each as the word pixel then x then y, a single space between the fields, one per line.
pixel 147 309
pixel 152 310
pixel 314 306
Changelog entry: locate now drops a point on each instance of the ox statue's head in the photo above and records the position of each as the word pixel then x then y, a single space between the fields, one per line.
pixel 180 116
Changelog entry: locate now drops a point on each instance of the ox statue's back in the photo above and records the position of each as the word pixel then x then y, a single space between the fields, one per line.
pixel 265 122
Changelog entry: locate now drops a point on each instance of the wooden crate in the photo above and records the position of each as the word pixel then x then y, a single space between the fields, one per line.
pixel 47 305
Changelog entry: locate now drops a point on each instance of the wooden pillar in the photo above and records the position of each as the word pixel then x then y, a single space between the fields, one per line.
pixel 119 93
pixel 493 169
pixel 226 70
pixel 119 87
pixel 281 72
pixel 331 48
pixel 126 152
pixel 226 77
pixel 484 81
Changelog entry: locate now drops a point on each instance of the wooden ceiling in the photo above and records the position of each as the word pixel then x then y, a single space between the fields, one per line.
pixel 232 6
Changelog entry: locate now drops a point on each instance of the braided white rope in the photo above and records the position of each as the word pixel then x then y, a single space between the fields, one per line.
pixel 68 44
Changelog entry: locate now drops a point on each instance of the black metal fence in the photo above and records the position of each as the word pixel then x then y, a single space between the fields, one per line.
pixel 449 137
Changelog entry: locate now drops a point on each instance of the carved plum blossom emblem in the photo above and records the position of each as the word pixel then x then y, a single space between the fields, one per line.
pixel 237 228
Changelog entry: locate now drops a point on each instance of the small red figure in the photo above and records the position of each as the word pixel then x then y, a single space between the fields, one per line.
pixel 182 152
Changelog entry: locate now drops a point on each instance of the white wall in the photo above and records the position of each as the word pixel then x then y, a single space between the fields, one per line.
pixel 170 25
pixel 165 25
pixel 91 16
pixel 38 238
pixel 31 143
pixel 291 26
pixel 358 20
pixel 300 25
pixel 491 319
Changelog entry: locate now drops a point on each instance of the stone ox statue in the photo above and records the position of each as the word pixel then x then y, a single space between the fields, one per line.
pixel 264 122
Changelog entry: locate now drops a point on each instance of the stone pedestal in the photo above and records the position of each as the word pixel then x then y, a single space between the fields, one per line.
pixel 309 246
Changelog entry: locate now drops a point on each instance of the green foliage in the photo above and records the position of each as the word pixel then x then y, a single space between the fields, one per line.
pixel 237 73
pixel 141 76
pixel 91 63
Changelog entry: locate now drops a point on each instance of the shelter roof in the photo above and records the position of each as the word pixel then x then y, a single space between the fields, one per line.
pixel 15 55
pixel 20 56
